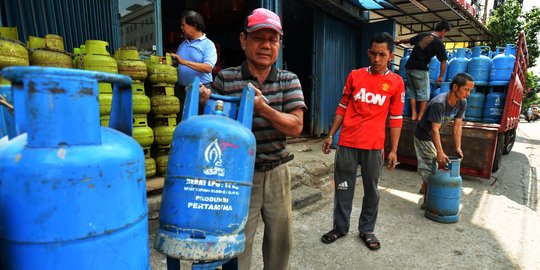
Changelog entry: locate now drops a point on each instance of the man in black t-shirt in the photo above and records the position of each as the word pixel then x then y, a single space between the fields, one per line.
pixel 426 45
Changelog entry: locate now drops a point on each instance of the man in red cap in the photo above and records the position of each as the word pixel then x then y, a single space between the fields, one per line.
pixel 278 112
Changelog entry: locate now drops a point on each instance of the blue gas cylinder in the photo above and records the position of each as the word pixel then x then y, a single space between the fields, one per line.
pixel 407 105
pixel 479 65
pixel 458 64
pixel 502 65
pixel 445 87
pixel 475 106
pixel 444 192
pixel 73 193
pixel 434 68
pixel 494 106
pixel 205 201
pixel 335 139
pixel 435 91
pixel 403 62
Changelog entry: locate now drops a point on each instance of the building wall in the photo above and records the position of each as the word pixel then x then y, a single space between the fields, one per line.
pixel 138 29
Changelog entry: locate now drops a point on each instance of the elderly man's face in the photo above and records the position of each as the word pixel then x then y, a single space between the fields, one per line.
pixel 261 47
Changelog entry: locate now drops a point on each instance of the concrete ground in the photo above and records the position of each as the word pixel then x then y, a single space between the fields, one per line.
pixel 498 225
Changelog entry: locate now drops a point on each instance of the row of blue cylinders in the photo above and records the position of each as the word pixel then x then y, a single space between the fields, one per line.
pixel 480 107
pixel 485 66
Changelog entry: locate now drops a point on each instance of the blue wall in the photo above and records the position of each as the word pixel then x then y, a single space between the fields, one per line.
pixel 75 20
pixel 335 56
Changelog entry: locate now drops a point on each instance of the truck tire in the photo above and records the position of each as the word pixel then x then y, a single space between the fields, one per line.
pixel 510 138
pixel 498 152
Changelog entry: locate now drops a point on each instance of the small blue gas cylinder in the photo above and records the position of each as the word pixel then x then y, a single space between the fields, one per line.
pixel 435 91
pixel 407 105
pixel 72 193
pixel 479 65
pixel 434 69
pixel 403 62
pixel 475 106
pixel 502 65
pixel 445 87
pixel 205 202
pixel 335 139
pixel 444 192
pixel 457 64
pixel 494 106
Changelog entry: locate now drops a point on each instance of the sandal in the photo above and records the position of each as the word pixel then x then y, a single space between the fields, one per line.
pixel 370 240
pixel 331 236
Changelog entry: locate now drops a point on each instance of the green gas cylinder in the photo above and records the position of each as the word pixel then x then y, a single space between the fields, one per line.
pixel 12 53
pixel 143 135
pixel 97 58
pixel 162 104
pixel 130 64
pixel 150 165
pixel 160 74
pixel 49 52
pixel 162 158
pixel 9 32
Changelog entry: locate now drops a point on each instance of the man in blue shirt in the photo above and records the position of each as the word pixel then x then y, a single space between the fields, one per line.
pixel 196 55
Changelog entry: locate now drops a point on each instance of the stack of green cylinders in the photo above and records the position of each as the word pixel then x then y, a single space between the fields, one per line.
pixel 130 64
pixel 97 58
pixel 165 107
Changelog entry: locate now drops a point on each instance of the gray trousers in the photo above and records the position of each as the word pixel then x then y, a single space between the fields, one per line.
pixel 346 163
pixel 271 201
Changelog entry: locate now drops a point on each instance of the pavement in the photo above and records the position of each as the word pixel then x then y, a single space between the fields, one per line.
pixel 497 228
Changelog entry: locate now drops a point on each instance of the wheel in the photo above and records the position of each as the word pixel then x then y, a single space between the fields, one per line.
pixel 510 138
pixel 498 152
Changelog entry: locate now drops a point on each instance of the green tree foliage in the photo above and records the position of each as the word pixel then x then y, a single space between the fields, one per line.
pixel 532 96
pixel 532 29
pixel 508 20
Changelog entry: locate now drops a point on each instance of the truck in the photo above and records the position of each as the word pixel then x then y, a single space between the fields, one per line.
pixel 483 144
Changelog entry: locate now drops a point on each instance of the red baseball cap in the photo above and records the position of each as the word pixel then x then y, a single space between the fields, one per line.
pixel 263 18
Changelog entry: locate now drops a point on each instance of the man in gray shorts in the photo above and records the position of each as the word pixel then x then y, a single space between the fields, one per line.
pixel 426 45
pixel 440 110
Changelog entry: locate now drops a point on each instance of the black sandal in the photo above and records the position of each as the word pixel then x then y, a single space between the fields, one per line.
pixel 331 236
pixel 370 240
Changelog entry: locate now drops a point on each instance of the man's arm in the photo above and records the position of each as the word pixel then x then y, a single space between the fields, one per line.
pixel 442 70
pixel 442 158
pixel 457 136
pixel 289 124
pixel 201 67
pixel 338 120
pixel 401 41
pixel 395 132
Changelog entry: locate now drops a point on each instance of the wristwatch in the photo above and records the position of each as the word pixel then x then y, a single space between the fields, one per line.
pixel 330 136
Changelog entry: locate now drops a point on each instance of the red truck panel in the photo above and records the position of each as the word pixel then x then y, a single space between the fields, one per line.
pixel 478 144
pixel 514 93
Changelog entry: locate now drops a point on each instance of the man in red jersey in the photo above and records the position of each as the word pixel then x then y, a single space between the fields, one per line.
pixel 371 96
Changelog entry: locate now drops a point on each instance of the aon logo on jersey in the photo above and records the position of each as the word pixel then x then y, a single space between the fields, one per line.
pixel 369 97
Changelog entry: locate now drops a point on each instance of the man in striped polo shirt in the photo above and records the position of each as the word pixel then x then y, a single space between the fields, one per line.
pixel 278 112
pixel 371 97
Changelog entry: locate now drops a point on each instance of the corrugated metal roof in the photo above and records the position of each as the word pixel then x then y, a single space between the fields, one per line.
pixel 417 16
pixel 76 21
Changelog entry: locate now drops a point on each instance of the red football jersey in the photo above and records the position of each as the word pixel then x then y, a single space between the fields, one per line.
pixel 367 101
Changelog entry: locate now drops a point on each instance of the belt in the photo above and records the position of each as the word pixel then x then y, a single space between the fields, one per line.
pixel 266 166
